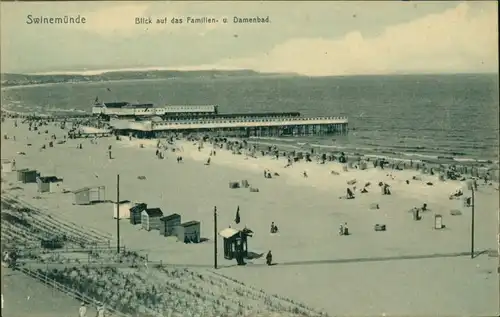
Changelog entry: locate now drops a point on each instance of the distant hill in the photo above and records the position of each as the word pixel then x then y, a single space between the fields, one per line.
pixel 11 79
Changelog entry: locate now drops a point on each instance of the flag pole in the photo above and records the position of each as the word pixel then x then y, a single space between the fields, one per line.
pixel 472 225
pixel 215 237
pixel 118 213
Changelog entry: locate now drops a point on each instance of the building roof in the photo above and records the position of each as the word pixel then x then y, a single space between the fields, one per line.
pixel 139 208
pixel 50 179
pixel 169 217
pixel 154 212
pixel 231 232
pixel 115 104
pixel 27 170
pixel 124 202
pixel 83 189
pixel 190 223
pixel 247 231
pixel 190 108
pixel 141 105
pixel 228 232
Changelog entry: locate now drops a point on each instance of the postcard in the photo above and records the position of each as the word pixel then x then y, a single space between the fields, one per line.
pixel 258 159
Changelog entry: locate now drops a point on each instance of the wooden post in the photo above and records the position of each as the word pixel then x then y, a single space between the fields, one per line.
pixel 46 274
pixel 472 225
pixel 215 237
pixel 118 213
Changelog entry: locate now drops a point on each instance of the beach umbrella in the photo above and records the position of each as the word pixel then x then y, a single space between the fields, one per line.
pixel 237 218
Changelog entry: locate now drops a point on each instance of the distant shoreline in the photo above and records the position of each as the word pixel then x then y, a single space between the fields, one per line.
pixel 13 79
pixel 29 85
pixel 74 83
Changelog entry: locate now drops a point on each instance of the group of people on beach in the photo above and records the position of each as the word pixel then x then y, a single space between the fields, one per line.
pixel 82 310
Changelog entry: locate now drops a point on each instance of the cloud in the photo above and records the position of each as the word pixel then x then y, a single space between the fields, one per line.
pixel 453 41
pixel 114 20
pixel 120 20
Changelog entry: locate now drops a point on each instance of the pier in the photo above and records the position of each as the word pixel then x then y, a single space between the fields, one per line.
pixel 239 127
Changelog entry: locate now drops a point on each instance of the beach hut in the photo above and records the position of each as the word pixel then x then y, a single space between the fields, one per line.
pixel 27 176
pixel 48 184
pixel 234 241
pixel 438 222
pixel 136 213
pixel 124 207
pixel 150 218
pixel 7 166
pixel 168 223
pixel 20 174
pixel 188 232
pixel 89 195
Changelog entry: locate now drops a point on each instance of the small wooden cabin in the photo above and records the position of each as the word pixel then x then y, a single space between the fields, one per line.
pixel 168 223
pixel 89 195
pixel 150 219
pixel 7 166
pixel 27 175
pixel 124 207
pixel 136 213
pixel 235 241
pixel 48 184
pixel 188 232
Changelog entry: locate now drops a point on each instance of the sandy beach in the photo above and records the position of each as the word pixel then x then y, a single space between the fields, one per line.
pixel 409 269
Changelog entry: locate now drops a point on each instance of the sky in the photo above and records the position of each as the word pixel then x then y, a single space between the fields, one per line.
pixel 309 38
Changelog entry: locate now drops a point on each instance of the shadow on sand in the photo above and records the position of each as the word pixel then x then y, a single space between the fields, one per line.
pixel 389 258
pixel 374 259
pixel 95 202
pixel 252 255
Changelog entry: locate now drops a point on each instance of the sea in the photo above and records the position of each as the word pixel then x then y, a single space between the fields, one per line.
pixel 413 116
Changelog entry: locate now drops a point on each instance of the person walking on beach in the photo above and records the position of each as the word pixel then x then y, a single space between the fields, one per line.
pixel 269 258
pixel 100 311
pixel 82 311
pixel 346 230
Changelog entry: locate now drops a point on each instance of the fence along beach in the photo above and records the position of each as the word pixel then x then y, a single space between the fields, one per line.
pixel 308 196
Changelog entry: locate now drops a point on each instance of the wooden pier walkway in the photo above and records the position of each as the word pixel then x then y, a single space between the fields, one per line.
pixel 269 126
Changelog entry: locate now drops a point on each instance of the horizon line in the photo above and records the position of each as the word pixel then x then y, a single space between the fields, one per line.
pixel 98 72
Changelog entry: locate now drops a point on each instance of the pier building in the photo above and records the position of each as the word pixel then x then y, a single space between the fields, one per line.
pixel 239 126
pixel 146 111
pixel 126 109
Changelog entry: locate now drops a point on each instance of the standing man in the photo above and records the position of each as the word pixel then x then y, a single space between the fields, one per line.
pixel 269 258
pixel 100 310
pixel 82 312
